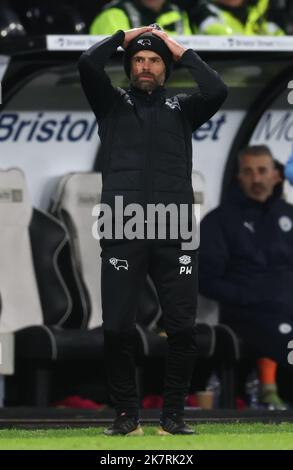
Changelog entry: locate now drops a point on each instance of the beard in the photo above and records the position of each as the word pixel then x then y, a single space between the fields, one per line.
pixel 148 84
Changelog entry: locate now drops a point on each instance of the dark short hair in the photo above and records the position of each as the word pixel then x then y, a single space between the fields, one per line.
pixel 255 150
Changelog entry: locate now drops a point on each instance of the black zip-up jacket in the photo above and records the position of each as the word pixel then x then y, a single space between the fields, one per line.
pixel 146 139
pixel 246 256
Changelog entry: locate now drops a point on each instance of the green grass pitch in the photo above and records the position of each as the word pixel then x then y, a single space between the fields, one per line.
pixel 210 436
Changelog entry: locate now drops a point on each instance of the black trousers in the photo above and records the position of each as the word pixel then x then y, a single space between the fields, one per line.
pixel 125 265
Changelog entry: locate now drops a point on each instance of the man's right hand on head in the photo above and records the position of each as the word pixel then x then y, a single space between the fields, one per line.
pixel 132 33
pixel 175 48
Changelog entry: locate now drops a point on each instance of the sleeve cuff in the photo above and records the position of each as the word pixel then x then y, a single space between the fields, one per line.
pixel 119 37
pixel 188 57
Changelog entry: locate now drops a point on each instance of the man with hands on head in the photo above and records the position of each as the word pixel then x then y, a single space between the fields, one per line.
pixel 146 157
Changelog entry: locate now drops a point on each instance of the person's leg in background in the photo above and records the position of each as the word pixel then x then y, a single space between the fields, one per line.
pixel 267 337
pixel 174 272
pixel 267 373
pixel 124 268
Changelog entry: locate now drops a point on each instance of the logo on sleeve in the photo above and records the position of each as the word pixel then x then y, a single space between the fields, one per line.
pixel 285 223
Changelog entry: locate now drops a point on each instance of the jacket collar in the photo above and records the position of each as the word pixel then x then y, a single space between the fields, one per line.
pixel 236 195
pixel 157 93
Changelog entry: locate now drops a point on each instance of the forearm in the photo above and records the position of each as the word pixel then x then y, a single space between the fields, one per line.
pixel 202 104
pixel 100 53
pixel 209 82
pixel 95 82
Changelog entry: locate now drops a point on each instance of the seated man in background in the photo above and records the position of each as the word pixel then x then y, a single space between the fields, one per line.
pixel 246 263
pixel 238 17
pixel 128 14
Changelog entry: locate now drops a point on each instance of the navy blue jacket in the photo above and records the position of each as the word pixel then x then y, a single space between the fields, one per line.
pixel 246 256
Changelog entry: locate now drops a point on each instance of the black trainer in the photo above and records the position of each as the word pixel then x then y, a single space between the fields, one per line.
pixel 124 425
pixel 174 425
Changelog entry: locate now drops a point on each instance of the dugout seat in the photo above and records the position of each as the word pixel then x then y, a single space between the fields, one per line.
pixel 20 302
pixel 36 303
